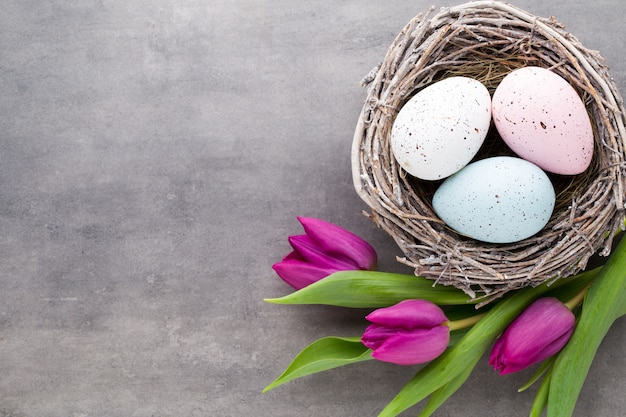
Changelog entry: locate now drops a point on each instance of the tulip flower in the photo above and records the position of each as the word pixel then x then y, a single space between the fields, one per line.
pixel 538 333
pixel 323 250
pixel 408 333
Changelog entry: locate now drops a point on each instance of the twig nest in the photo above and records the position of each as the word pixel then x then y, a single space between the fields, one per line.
pixel 486 40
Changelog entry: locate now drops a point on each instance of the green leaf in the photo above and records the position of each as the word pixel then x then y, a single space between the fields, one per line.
pixel 321 355
pixel 373 289
pixel 541 397
pixel 456 336
pixel 567 288
pixel 543 368
pixel 441 395
pixel 604 303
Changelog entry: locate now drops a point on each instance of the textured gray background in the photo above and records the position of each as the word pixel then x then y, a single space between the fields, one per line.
pixel 153 158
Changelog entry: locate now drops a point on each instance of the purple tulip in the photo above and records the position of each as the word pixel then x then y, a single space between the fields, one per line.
pixel 324 249
pixel 538 333
pixel 408 333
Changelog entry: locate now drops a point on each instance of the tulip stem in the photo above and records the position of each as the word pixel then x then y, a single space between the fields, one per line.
pixel 465 323
pixel 578 298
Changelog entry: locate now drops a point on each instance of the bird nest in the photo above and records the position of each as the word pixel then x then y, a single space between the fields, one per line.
pixel 486 40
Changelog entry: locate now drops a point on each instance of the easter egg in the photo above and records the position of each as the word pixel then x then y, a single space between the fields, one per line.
pixel 543 120
pixel 500 199
pixel 440 129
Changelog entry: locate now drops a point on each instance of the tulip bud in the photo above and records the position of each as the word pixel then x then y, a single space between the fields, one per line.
pixel 408 333
pixel 538 333
pixel 323 250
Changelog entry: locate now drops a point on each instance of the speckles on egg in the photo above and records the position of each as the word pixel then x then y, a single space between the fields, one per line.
pixel 440 129
pixel 543 120
pixel 497 200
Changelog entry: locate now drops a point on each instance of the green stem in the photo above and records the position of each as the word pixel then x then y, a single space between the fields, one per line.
pixel 465 323
pixel 578 298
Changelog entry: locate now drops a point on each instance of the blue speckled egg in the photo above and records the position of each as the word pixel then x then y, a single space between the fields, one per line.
pixel 501 199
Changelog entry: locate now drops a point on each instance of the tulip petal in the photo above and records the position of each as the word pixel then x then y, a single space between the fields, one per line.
pixel 540 325
pixel 375 335
pixel 299 274
pixel 495 357
pixel 415 347
pixel 340 243
pixel 538 333
pixel 307 250
pixel 409 314
pixel 555 346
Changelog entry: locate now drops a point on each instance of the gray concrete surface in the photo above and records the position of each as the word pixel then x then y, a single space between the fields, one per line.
pixel 153 157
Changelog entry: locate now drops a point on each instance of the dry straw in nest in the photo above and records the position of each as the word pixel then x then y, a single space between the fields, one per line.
pixel 485 40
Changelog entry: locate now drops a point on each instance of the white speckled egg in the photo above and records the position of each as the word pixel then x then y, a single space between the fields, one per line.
pixel 440 129
pixel 501 199
pixel 543 120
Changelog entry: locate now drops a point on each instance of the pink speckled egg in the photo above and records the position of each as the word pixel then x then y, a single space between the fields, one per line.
pixel 543 120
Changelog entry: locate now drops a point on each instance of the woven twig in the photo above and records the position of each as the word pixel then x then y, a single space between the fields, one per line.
pixel 485 40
